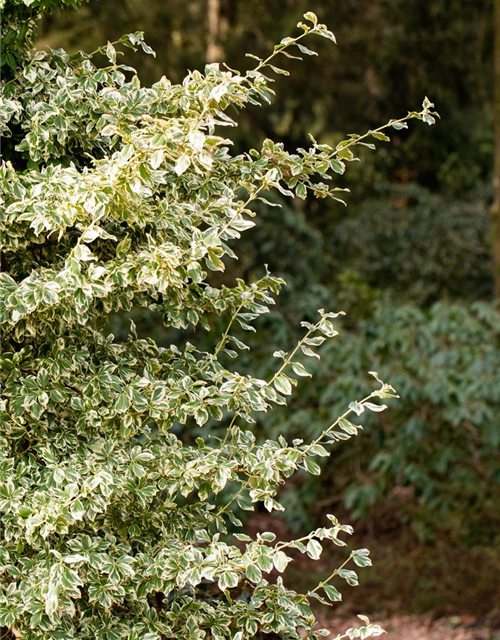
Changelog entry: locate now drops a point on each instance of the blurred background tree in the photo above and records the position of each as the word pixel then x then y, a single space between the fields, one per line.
pixel 410 260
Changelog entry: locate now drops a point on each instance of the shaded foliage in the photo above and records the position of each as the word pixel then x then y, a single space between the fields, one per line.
pixel 442 443
pixel 419 246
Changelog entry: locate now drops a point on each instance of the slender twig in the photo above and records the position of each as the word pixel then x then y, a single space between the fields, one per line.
pixel 332 426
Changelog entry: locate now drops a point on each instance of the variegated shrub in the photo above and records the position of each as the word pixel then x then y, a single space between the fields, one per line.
pixel 116 196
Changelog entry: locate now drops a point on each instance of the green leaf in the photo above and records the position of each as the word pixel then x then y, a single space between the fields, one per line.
pixel 332 593
pixel 300 370
pixel 265 563
pixel 123 247
pixel 283 385
pixel 254 573
pixel 301 191
pixel 308 352
pixel 314 549
pixel 380 136
pixel 319 450
pixel 349 576
pixel 243 537
pixel 51 600
pixel 357 407
pixel 213 261
pixel 349 427
pixel 306 51
pixel 337 165
pixel 375 407
pixel 111 52
pixel 362 561
pixel 75 558
pixel 182 164
pixel 361 558
pixel 156 158
pixel 228 580
pixel 123 403
pixel 281 560
pixel 77 510
pixel 327 34
pixel 267 536
pixel 312 467
pixel 399 125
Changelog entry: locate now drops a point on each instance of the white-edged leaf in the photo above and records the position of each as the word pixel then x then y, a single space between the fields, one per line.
pixel 283 385
pixel 51 599
pixel 314 549
pixel 156 158
pixel 377 408
pixel 280 561
pixel 182 164
pixel 332 593
pixel 357 407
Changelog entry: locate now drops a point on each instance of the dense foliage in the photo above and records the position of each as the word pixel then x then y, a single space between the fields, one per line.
pixel 423 247
pixel 390 52
pixel 441 356
pixel 418 228
pixel 119 196
pixel 439 451
pixel 417 231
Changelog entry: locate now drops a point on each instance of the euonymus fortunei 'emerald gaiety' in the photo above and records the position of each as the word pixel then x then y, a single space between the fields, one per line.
pixel 118 196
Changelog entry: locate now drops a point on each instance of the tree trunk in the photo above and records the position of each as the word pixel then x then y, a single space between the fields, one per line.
pixel 495 211
pixel 214 51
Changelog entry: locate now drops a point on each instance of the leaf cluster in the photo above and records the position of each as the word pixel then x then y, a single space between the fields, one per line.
pixel 117 197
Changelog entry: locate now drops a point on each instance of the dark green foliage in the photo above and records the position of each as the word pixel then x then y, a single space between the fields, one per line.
pixel 18 30
pixel 418 246
pixel 442 442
